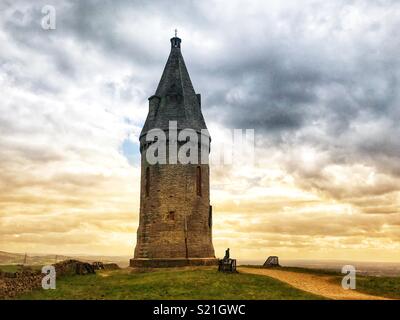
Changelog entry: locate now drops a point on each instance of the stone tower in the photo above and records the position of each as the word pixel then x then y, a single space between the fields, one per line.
pixel 175 223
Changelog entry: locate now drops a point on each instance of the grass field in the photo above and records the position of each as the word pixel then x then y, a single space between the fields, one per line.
pixel 17 268
pixel 170 284
pixel 9 268
pixel 195 283
pixel 388 287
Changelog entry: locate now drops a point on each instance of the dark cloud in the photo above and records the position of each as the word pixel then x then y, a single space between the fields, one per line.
pixel 282 72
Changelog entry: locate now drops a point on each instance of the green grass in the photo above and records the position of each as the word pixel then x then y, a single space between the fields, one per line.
pixel 388 287
pixel 10 268
pixel 197 283
pixel 17 268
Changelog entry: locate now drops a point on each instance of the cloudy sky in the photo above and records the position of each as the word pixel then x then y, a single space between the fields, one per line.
pixel 317 80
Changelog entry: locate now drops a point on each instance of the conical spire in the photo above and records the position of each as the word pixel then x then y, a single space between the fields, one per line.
pixel 175 98
pixel 175 76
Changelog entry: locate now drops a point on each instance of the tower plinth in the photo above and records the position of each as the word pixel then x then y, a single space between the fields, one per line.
pixel 175 222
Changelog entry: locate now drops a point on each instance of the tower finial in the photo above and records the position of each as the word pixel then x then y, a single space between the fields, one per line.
pixel 175 41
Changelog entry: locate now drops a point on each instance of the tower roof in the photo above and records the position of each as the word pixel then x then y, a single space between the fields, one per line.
pixel 175 98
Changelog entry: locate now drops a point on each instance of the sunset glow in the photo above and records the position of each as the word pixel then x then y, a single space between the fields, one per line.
pixel 322 100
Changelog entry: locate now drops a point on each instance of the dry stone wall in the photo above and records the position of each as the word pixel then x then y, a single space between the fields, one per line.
pixel 13 284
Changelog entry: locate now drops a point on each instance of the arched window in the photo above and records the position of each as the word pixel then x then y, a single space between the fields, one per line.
pixel 147 181
pixel 198 180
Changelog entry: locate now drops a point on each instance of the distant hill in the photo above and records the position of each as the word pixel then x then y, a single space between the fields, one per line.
pixel 8 258
pixel 18 258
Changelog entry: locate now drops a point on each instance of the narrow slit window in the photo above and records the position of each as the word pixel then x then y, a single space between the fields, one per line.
pixel 210 217
pixel 171 215
pixel 147 181
pixel 198 181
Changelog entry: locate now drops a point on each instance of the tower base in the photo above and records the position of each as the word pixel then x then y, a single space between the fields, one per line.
pixel 172 262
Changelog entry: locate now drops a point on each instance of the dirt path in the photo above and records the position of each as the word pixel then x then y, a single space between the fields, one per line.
pixel 317 284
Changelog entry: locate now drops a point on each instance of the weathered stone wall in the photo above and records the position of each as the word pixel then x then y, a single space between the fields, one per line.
pixel 14 284
pixel 71 267
pixel 111 266
pixel 175 222
pixel 167 263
